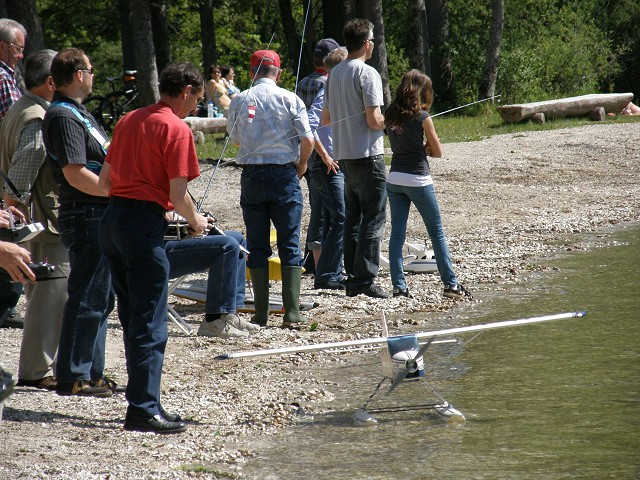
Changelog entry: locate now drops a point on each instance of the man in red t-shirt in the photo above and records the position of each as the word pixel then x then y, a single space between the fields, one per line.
pixel 151 159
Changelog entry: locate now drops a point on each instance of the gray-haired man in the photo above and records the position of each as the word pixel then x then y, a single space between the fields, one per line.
pixel 12 39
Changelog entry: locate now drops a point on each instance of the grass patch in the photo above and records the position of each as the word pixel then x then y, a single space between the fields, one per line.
pixel 483 124
pixel 213 145
pixel 199 468
pixel 486 123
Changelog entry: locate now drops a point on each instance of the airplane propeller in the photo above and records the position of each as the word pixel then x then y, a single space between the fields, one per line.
pixel 411 366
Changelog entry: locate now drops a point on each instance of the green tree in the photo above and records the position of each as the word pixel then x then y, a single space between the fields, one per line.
pixel 492 57
pixel 549 48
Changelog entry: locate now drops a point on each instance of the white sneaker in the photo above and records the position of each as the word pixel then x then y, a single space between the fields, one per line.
pixel 240 323
pixel 221 328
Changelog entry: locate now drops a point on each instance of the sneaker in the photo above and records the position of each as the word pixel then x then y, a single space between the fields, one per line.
pixel 329 285
pixel 82 388
pixel 240 323
pixel 220 328
pixel 106 382
pixel 456 291
pixel 9 318
pixel 373 291
pixel 399 292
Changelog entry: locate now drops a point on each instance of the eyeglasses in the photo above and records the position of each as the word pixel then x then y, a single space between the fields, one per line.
pixel 217 72
pixel 88 70
pixel 17 47
pixel 372 40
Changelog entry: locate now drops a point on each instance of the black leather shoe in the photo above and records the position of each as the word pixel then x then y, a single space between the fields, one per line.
pixel 155 424
pixel 170 417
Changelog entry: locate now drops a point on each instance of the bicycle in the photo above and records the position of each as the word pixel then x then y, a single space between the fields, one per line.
pixel 108 109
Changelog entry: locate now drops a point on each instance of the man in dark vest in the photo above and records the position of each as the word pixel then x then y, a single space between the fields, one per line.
pixel 22 156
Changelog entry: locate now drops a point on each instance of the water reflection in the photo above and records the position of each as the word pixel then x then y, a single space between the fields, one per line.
pixel 557 400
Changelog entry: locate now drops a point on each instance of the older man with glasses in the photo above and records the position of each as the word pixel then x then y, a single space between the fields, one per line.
pixel 12 40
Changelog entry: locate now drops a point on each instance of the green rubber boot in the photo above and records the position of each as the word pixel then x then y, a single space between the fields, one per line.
pixel 260 284
pixel 291 277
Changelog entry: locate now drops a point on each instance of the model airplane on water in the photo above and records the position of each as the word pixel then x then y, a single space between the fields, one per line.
pixel 402 360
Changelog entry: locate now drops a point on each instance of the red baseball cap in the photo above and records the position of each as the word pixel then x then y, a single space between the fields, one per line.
pixel 265 57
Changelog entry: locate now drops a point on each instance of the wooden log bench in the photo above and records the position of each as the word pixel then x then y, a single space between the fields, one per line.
pixel 566 107
pixel 207 125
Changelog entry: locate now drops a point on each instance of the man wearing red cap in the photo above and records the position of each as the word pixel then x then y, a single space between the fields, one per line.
pixel 272 128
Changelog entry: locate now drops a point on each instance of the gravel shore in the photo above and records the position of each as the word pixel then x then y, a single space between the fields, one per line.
pixel 508 203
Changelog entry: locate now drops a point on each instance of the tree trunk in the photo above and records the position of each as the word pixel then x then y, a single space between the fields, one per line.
pixel 145 52
pixel 160 33
pixel 306 64
pixel 25 12
pixel 441 66
pixel 291 34
pixel 333 18
pixel 492 59
pixel 372 9
pixel 126 33
pixel 418 51
pixel 207 35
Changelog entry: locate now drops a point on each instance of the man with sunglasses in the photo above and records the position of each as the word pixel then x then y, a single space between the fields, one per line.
pixel 353 96
pixel 76 147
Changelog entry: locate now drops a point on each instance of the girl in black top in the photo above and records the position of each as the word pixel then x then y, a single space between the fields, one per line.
pixel 409 181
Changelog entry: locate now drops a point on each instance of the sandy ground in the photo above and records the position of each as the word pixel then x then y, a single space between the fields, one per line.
pixel 508 203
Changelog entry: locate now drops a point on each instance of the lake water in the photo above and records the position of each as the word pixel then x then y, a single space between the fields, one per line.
pixel 550 401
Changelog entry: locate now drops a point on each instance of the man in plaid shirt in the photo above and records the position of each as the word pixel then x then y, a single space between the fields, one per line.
pixel 307 89
pixel 12 39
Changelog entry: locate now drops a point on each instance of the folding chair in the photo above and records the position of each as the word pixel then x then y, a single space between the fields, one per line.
pixel 171 312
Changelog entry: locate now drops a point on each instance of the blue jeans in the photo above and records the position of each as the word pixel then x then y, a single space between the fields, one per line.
pixel 424 198
pixel 329 267
pixel 365 202
pixel 81 350
pixel 133 241
pixel 225 261
pixel 314 230
pixel 271 193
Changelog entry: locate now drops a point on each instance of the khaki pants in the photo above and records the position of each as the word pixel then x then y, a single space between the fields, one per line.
pixel 43 317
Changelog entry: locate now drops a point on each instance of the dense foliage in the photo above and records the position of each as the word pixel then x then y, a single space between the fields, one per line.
pixel 550 48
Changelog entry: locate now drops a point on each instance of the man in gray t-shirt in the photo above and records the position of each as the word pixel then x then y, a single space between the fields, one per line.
pixel 353 96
